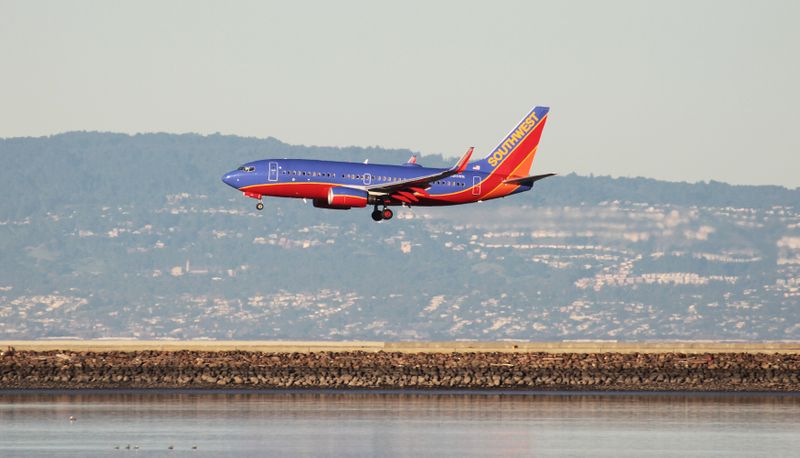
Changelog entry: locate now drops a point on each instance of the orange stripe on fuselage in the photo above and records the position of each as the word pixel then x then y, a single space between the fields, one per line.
pixel 506 188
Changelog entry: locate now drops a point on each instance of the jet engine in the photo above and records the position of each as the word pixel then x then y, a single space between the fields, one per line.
pixel 343 198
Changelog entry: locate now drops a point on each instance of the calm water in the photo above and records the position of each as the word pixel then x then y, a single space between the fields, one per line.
pixel 415 424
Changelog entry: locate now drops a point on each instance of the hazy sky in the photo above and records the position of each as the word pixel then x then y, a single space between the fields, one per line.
pixel 673 90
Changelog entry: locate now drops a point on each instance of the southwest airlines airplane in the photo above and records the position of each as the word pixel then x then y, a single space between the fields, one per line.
pixel 344 185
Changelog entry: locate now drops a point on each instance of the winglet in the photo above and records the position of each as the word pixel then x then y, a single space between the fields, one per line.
pixel 462 164
pixel 412 159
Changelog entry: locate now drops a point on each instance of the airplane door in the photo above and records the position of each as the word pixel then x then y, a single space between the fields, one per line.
pixel 476 186
pixel 367 178
pixel 273 171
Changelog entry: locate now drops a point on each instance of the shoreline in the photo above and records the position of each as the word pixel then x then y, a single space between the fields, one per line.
pixel 291 346
pixel 387 392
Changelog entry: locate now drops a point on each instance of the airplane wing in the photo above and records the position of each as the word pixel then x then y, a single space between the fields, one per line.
pixel 417 184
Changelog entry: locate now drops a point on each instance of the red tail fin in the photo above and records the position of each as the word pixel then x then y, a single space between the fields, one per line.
pixel 514 155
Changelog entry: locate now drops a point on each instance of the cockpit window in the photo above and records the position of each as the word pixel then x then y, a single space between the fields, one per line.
pixel 248 168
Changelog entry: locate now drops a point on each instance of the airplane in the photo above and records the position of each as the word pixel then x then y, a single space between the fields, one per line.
pixel 346 185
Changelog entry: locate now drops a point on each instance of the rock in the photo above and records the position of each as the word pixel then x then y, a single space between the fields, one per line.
pixel 156 369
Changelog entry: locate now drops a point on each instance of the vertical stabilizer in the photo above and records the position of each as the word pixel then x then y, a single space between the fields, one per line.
pixel 514 155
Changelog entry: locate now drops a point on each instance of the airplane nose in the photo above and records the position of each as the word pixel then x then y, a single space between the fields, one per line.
pixel 228 179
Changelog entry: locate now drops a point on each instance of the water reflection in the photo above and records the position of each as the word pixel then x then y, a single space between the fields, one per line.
pixel 390 423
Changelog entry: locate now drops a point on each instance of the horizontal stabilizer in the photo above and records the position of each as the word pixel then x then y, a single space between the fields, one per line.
pixel 527 181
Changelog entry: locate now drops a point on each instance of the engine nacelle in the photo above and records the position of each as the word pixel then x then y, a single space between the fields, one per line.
pixel 323 203
pixel 343 198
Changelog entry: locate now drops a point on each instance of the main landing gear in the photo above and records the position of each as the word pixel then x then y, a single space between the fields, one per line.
pixel 378 215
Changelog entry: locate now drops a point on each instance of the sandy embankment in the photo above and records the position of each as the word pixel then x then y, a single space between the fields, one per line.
pixel 372 365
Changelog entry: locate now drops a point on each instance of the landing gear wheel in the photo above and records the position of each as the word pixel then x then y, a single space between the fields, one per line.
pixel 377 215
pixel 259 206
pixel 387 213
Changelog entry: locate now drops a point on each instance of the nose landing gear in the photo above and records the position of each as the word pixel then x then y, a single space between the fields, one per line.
pixel 259 205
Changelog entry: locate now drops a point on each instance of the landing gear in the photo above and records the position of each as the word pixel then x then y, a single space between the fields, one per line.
pixel 378 215
pixel 252 195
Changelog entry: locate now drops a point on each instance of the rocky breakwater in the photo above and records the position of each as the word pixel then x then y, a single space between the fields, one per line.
pixel 368 370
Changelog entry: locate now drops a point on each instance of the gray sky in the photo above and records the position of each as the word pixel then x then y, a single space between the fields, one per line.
pixel 673 90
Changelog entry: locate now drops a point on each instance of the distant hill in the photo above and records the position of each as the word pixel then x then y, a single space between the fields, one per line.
pixel 87 167
pixel 106 234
